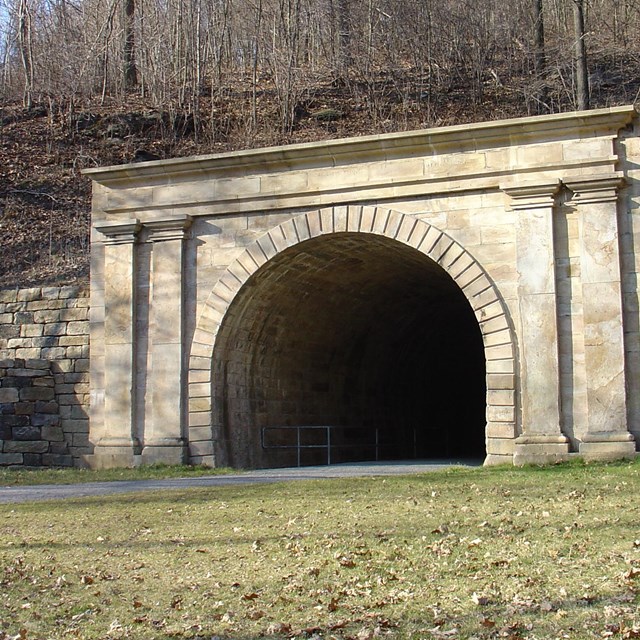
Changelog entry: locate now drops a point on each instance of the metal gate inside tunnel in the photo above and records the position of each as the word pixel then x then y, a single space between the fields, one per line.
pixel 349 347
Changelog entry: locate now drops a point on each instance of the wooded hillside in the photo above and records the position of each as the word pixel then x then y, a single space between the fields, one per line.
pixel 90 82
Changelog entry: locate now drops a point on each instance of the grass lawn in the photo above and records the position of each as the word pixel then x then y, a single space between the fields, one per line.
pixel 20 476
pixel 465 553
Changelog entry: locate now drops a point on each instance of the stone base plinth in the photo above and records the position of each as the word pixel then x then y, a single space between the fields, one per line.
pixel 169 451
pixel 111 453
pixel 607 446
pixel 540 449
pixel 493 459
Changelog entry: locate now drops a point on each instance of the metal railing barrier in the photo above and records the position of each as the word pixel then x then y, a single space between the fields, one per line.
pixel 328 444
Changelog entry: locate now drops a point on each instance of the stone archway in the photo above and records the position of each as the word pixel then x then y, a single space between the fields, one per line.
pixel 543 203
pixel 430 257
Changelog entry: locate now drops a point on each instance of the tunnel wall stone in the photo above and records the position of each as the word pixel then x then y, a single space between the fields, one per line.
pixel 536 219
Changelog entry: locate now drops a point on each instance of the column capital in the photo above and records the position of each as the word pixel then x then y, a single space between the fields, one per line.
pixel 118 231
pixel 596 189
pixel 173 228
pixel 533 196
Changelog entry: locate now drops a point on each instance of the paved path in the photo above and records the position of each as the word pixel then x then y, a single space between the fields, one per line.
pixel 34 493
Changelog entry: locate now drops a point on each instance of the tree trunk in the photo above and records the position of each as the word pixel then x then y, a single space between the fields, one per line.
pixel 26 52
pixel 540 59
pixel 344 37
pixel 128 51
pixel 254 67
pixel 582 74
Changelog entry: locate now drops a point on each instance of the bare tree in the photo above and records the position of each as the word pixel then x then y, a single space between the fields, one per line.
pixel 540 57
pixel 249 64
pixel 130 70
pixel 26 51
pixel 344 36
pixel 582 73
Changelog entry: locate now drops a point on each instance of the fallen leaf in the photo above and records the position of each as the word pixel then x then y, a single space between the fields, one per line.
pixel 278 627
pixel 255 614
pixel 480 600
pixel 633 573
pixel 346 561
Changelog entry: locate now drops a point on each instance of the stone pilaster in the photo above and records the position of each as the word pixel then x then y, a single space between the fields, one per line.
pixel 541 439
pixel 164 440
pixel 119 445
pixel 605 435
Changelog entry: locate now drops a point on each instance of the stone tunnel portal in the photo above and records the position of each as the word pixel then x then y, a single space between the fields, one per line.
pixel 357 332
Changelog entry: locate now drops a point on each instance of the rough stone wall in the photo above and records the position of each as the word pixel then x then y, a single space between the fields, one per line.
pixel 45 330
pixel 30 431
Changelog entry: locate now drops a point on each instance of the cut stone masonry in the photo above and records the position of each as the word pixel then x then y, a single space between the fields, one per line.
pixel 464 291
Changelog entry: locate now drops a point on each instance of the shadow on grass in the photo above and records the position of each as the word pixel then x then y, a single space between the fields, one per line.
pixel 12 476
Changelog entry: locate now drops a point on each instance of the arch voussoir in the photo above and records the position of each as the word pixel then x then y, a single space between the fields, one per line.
pixel 279 239
pixel 290 232
pixel 327 221
pixel 301 224
pixel 268 246
pixel 380 221
pixel 429 241
pixel 394 222
pixel 407 225
pixel 354 218
pixel 340 219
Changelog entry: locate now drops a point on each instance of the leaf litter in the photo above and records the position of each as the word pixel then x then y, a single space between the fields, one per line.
pixel 475 554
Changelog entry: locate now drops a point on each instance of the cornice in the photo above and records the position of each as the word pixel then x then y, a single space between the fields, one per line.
pixel 335 153
pixel 174 228
pixel 595 190
pixel 119 232
pixel 533 196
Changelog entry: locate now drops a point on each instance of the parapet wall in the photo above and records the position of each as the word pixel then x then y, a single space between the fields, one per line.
pixel 44 376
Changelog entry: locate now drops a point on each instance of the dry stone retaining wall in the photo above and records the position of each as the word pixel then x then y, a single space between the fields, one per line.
pixel 30 431
pixel 44 376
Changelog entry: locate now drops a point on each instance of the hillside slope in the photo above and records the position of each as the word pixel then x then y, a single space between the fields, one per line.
pixel 45 201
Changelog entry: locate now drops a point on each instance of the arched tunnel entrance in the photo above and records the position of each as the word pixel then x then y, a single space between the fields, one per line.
pixel 356 332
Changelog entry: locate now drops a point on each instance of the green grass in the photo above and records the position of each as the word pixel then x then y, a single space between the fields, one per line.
pixel 464 553
pixel 19 476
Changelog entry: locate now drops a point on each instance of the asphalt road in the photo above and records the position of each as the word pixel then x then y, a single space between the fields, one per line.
pixel 36 493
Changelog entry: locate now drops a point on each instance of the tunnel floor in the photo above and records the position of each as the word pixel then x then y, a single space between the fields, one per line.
pixel 355 332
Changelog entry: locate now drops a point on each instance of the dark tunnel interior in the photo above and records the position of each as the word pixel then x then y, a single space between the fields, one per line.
pixel 362 341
